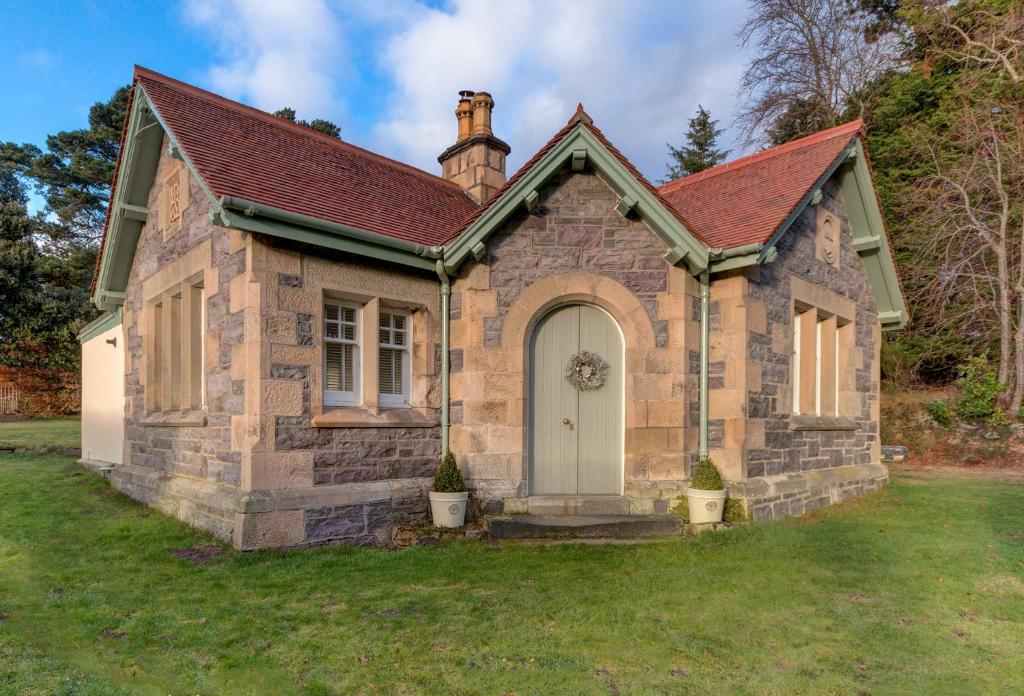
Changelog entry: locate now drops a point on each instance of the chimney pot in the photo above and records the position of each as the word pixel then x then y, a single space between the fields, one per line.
pixel 464 115
pixel 476 161
pixel 483 104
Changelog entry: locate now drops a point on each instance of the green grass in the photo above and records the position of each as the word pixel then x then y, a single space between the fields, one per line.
pixel 917 589
pixel 41 432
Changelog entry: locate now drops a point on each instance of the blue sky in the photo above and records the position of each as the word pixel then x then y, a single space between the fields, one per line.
pixel 388 72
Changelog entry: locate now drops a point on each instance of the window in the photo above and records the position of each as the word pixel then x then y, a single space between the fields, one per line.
pixel 818 341
pixel 362 368
pixel 393 359
pixel 175 353
pixel 341 354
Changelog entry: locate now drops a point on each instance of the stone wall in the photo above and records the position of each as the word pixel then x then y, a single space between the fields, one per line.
pixel 780 463
pixel 573 247
pixel 190 471
pixel 264 463
pixel 321 474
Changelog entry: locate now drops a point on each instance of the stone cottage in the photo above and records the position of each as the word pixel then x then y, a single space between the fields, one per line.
pixel 297 328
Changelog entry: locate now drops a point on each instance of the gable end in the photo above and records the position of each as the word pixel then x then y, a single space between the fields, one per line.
pixel 579 147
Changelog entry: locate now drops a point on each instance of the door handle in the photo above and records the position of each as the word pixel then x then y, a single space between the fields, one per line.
pixel 566 421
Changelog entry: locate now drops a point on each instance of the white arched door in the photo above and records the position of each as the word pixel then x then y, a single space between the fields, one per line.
pixel 575 434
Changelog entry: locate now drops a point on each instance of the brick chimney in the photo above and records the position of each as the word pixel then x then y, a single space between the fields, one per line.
pixel 476 161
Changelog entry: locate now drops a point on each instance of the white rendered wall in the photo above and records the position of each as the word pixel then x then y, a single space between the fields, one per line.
pixel 103 397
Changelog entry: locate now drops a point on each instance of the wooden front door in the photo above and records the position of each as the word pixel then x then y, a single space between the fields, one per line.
pixel 575 435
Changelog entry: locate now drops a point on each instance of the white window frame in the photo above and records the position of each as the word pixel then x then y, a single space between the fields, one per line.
pixel 334 397
pixel 815 408
pixel 817 364
pixel 396 400
pixel 796 362
pixel 838 375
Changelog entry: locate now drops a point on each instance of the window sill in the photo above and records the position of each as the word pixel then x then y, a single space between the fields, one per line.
pixel 358 417
pixel 821 423
pixel 175 419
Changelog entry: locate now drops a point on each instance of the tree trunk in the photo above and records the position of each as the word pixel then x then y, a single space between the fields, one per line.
pixel 1018 347
pixel 1005 318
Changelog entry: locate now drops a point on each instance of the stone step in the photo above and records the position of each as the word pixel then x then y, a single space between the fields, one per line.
pixel 578 505
pixel 583 526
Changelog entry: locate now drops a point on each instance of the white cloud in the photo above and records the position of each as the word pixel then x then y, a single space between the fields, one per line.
pixel 274 53
pixel 37 59
pixel 390 72
pixel 639 68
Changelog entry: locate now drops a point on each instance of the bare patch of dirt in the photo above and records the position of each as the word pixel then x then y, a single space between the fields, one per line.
pixel 1008 474
pixel 198 555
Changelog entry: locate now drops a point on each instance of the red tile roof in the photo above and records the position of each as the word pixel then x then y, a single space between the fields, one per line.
pixel 746 200
pixel 246 153
pixel 580 116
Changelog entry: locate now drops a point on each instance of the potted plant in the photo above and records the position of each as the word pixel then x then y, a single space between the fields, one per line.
pixel 449 497
pixel 706 494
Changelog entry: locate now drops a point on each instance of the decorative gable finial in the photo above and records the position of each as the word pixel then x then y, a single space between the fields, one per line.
pixel 581 116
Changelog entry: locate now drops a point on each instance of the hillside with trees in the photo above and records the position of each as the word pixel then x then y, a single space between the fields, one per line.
pixel 940 87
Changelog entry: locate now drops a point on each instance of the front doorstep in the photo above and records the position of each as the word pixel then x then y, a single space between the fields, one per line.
pixel 583 526
pixel 577 505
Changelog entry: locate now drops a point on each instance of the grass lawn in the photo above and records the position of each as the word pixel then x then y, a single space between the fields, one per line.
pixel 41 432
pixel 917 589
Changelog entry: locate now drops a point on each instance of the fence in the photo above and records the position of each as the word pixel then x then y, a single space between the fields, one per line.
pixel 8 399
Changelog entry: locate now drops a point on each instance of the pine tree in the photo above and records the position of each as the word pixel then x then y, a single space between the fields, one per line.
pixel 73 174
pixel 321 125
pixel 701 149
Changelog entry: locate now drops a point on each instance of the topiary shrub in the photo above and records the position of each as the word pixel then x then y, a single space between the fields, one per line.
pixel 448 478
pixel 706 477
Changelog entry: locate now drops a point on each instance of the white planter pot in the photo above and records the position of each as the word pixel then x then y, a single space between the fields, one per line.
pixel 448 509
pixel 705 506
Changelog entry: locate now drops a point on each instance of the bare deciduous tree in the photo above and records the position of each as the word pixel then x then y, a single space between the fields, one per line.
pixel 984 38
pixel 974 208
pixel 811 61
pixel 973 203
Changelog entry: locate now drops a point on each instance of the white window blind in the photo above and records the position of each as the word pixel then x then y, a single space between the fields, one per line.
pixel 394 365
pixel 341 354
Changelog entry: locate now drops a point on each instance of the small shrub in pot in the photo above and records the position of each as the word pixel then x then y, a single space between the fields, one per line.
pixel 449 497
pixel 706 494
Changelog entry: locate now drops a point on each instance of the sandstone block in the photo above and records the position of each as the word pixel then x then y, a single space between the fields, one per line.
pixel 666 414
pixel 652 387
pixel 504 439
pixel 282 470
pixel 647 440
pixel 263 530
pixel 282 397
pixel 280 327
pixel 485 412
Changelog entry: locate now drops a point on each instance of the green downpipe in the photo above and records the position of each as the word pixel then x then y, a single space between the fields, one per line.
pixel 705 347
pixel 446 295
